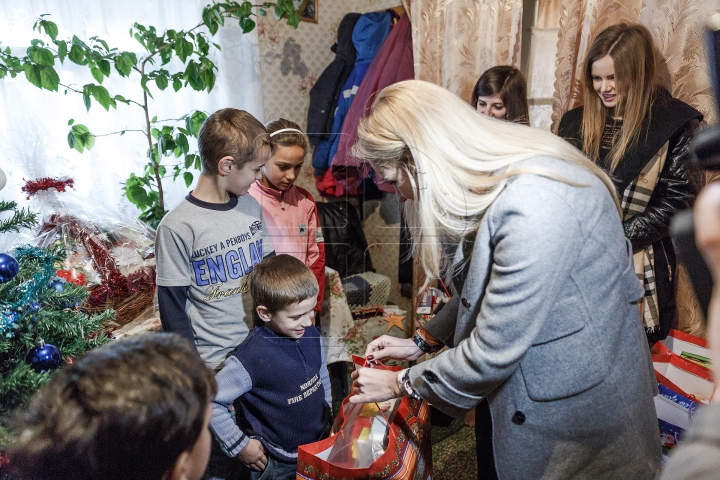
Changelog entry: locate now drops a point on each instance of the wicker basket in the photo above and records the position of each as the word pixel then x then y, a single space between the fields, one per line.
pixel 126 308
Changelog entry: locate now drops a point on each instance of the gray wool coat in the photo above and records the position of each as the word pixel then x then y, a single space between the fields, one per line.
pixel 545 328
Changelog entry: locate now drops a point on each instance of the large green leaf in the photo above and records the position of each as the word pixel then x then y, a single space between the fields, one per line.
pixel 182 142
pixel 41 56
pixel 77 54
pixel 62 50
pixel 183 49
pixel 104 67
pixel 49 79
pixel 50 28
pixel 97 74
pixel 101 95
pixel 82 136
pixel 137 195
pixel 124 63
pixel 188 177
pixel 32 74
pixel 202 45
pixel 247 24
pixel 161 81
pixel 143 84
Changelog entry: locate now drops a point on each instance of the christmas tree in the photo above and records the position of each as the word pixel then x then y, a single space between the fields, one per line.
pixel 42 325
pixel 20 219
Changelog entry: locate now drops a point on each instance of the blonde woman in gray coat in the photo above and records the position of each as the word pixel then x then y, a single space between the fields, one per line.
pixel 545 323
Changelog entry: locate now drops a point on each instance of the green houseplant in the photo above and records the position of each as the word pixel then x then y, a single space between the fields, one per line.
pixel 192 46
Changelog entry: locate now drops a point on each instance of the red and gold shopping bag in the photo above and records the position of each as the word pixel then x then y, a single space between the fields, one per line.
pixel 390 440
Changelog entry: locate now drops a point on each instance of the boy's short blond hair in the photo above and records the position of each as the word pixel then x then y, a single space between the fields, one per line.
pixel 280 281
pixel 230 133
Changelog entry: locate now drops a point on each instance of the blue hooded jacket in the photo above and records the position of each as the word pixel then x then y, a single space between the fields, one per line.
pixel 368 36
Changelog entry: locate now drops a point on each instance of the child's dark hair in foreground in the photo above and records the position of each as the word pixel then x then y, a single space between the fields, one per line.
pixel 135 408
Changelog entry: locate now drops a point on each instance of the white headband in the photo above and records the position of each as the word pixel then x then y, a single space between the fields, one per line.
pixel 287 130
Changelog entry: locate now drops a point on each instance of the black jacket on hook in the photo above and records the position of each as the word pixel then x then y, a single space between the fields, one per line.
pixel 326 91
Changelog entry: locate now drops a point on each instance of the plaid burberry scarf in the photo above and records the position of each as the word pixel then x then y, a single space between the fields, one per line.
pixel 635 199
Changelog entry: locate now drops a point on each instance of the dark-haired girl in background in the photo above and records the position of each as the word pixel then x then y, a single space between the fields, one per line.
pixel 501 92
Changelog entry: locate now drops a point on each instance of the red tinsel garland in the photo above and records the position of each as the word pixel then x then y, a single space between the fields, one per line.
pixel 34 186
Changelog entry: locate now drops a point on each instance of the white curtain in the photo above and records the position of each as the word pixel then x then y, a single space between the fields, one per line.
pixel 34 122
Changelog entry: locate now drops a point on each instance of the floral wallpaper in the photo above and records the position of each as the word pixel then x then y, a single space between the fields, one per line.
pixel 291 62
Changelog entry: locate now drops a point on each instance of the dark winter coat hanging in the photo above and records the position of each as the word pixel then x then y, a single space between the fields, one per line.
pixel 326 91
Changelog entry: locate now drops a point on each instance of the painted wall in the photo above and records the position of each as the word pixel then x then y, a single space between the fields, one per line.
pixel 290 63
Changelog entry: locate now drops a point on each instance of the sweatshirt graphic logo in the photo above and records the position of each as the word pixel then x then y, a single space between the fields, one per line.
pixel 226 261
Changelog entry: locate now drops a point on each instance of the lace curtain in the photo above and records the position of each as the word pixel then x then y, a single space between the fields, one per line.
pixel 34 122
pixel 678 29
pixel 455 41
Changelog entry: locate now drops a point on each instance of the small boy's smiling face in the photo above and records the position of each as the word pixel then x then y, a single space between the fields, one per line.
pixel 291 321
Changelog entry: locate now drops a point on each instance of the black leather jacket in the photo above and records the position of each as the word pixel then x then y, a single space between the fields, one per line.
pixel 678 185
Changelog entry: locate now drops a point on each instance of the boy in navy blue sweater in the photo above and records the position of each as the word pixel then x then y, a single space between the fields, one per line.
pixel 277 378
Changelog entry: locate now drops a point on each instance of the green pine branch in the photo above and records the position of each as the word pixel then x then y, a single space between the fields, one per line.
pixel 21 218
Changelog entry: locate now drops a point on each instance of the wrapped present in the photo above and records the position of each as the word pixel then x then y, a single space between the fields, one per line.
pixel 111 253
pixel 683 387
pixel 385 440
pixel 689 347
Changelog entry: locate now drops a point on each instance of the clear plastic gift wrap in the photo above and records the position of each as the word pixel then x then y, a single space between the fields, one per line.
pixel 363 437
pixel 110 252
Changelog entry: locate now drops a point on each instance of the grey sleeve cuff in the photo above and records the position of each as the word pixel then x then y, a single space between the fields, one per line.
pixel 442 325
pixel 325 375
pixel 432 388
pixel 233 381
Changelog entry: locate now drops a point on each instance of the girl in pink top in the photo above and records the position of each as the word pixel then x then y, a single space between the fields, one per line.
pixel 289 211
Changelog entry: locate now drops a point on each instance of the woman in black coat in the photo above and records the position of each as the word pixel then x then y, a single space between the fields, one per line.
pixel 639 133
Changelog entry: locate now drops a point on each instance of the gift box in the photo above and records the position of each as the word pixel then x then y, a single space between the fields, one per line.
pixel 683 387
pixel 689 347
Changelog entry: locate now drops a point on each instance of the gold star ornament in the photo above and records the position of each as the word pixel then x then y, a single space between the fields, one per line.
pixel 395 321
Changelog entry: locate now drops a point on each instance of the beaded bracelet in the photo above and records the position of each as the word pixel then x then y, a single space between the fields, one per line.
pixel 423 345
pixel 405 386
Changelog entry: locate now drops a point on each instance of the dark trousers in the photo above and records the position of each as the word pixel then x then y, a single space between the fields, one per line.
pixel 483 442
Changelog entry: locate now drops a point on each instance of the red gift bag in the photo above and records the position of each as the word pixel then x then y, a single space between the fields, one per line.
pixel 372 443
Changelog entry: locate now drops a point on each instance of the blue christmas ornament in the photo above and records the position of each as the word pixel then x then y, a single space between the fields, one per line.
pixel 58 285
pixel 8 267
pixel 44 357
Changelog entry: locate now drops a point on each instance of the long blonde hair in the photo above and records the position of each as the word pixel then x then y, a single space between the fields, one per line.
pixel 456 160
pixel 631 48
